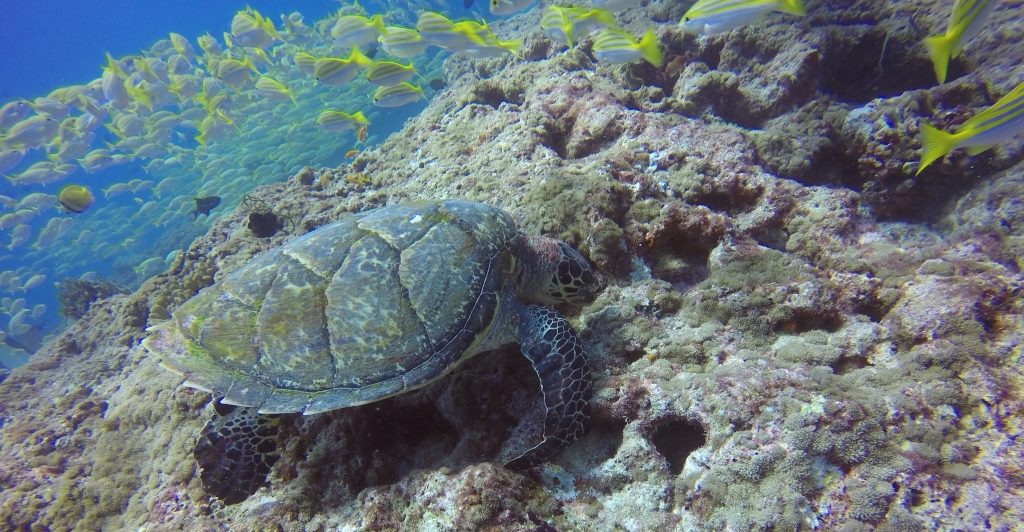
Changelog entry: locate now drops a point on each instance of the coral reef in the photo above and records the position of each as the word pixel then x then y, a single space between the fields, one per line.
pixel 77 295
pixel 800 333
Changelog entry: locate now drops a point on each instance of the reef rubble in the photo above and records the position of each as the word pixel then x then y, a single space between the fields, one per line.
pixel 799 332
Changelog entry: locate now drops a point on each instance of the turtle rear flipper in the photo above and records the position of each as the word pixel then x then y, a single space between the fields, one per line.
pixel 236 451
pixel 556 353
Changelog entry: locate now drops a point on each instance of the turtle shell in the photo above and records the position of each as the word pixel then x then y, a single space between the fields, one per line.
pixel 361 309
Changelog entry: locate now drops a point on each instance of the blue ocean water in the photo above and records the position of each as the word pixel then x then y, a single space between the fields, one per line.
pixel 144 181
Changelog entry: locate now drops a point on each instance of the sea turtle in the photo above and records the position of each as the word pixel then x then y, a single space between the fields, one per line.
pixel 374 305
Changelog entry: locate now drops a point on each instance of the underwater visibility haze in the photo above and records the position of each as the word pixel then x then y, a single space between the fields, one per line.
pixel 511 265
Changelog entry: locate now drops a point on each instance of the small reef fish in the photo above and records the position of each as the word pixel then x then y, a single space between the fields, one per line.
pixel 30 132
pixel 182 46
pixel 397 95
pixel 33 282
pixel 76 198
pixel 209 45
pixel 274 90
pixel 361 133
pixel 507 7
pixel 336 71
pixel 116 189
pixel 10 159
pixel 351 153
pixel 477 40
pixel 235 72
pixel 19 235
pixel 12 112
pixel 438 30
pixel 41 173
pixel 336 121
pixel 37 201
pixel 616 46
pixel 385 73
pixel 357 30
pixel 305 62
pixel 204 205
pixel 717 16
pixel 999 123
pixel 402 42
pixel 568 23
pixel 251 29
pixel 965 22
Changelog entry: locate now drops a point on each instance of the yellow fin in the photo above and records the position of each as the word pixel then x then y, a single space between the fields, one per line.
pixel 792 7
pixel 940 48
pixel 935 144
pixel 648 46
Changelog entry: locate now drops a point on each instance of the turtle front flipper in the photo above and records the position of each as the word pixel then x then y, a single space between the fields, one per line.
pixel 236 451
pixel 557 356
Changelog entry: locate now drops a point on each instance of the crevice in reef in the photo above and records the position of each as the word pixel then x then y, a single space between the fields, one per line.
pixel 493 94
pixel 881 61
pixel 805 320
pixel 676 439
pixel 556 136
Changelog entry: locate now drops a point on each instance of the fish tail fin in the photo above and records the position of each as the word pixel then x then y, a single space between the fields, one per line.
pixel 940 48
pixel 378 22
pixel 360 58
pixel 513 46
pixel 793 7
pixel 360 117
pixel 649 49
pixel 935 144
pixel 604 17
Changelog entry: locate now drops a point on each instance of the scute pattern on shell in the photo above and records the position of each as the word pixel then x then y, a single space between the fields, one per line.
pixel 370 306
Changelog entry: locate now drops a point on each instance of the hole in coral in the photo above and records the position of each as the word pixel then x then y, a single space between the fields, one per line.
pixel 492 94
pixel 632 355
pixel 403 437
pixel 917 497
pixel 675 441
pixel 875 309
pixel 601 442
pixel 806 320
pixel 556 137
pixel 848 364
pixel 881 61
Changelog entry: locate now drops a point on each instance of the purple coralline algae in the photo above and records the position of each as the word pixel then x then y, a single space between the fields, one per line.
pixel 799 333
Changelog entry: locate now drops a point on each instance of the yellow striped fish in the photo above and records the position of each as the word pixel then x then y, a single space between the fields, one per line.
pixel 396 95
pixel 305 62
pixel 274 90
pixel 385 73
pixel 567 23
pixel 402 42
pixel 965 22
pixel 340 121
pixel 337 71
pixel 994 125
pixel 616 46
pixel 357 30
pixel 716 16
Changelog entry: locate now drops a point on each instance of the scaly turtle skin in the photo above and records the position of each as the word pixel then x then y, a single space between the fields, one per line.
pixel 371 306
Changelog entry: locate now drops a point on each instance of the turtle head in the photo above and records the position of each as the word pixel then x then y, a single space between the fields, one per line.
pixel 553 272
